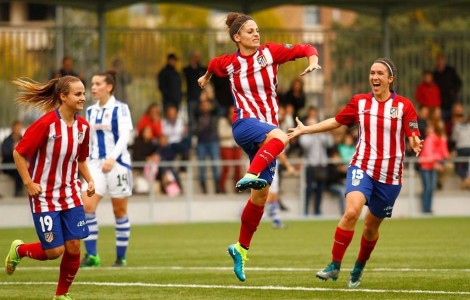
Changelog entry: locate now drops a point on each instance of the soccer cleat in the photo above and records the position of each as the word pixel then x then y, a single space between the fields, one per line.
pixel 63 297
pixel 356 273
pixel 90 261
pixel 120 262
pixel 331 271
pixel 250 181
pixel 238 254
pixel 13 259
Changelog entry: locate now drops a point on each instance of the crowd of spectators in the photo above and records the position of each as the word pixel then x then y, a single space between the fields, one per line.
pixel 167 133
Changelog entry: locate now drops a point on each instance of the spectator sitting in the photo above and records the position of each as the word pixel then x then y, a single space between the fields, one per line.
pixel 8 145
pixel 295 96
pixel 151 118
pixel 427 92
pixel 145 150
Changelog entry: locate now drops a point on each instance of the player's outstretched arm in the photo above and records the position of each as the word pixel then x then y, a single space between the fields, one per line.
pixel 326 125
pixel 312 65
pixel 416 143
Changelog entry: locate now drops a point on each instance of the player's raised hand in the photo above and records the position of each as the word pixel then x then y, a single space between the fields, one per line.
pixel 300 129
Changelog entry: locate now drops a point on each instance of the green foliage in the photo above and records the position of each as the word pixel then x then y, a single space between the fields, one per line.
pixel 183 16
pixel 414 259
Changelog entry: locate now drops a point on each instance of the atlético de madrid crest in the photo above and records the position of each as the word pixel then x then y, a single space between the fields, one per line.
pixel 49 237
pixel 263 62
pixel 394 112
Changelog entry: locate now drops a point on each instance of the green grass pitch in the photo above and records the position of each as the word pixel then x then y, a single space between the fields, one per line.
pixel 426 258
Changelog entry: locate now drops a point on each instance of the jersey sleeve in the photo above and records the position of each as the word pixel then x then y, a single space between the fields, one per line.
pixel 125 128
pixel 84 150
pixel 410 120
pixel 34 137
pixel 349 115
pixel 286 52
pixel 217 66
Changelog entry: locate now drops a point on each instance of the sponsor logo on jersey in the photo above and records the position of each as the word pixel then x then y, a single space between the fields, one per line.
pixel 55 137
pixel 394 112
pixel 263 62
pixel 49 237
pixel 413 125
pixel 80 137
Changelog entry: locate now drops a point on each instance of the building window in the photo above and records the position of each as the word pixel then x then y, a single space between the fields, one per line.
pixel 312 16
pixel 4 12
pixel 40 12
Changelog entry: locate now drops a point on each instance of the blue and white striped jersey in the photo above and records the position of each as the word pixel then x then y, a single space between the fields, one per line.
pixel 111 127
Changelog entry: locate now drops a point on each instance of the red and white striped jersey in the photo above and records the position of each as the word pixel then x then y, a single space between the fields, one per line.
pixel 254 78
pixel 54 150
pixel 383 127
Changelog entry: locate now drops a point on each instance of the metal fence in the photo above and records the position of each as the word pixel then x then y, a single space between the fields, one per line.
pixel 345 56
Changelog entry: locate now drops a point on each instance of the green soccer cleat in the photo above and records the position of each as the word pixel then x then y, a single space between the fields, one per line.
pixel 250 181
pixel 63 297
pixel 13 259
pixel 238 254
pixel 356 273
pixel 90 261
pixel 331 271
pixel 120 262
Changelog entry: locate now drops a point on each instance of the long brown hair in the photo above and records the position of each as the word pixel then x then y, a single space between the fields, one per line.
pixel 44 96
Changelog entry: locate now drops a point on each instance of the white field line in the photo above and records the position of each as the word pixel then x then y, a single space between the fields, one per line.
pixel 182 268
pixel 241 287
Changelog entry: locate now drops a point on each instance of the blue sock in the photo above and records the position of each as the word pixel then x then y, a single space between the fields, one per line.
pixel 123 231
pixel 90 241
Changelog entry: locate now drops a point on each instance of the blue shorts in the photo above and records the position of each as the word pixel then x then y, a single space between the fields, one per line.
pixel 380 197
pixel 55 227
pixel 248 133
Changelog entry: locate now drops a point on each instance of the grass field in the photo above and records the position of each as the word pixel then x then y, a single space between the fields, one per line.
pixel 425 258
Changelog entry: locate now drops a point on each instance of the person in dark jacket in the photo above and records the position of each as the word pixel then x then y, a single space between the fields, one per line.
pixel 169 83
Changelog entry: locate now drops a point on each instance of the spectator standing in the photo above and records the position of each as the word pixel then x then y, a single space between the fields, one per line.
pixel 461 138
pixel 123 79
pixel 229 150
pixel 449 83
pixel 432 160
pixel 427 92
pixel 192 72
pixel 56 147
pixel 207 141
pixel 8 145
pixel 169 83
pixel 315 154
pixel 67 70
pixel 295 96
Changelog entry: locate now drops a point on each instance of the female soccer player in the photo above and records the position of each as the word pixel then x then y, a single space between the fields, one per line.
pixel 252 70
pixel 110 164
pixel 56 147
pixel 374 174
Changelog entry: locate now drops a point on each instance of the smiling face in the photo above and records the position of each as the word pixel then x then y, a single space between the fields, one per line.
pixel 380 80
pixel 248 37
pixel 75 99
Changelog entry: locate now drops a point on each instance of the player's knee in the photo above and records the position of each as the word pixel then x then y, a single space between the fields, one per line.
pixel 55 252
pixel 351 215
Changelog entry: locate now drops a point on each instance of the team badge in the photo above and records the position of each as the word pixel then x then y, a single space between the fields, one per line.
pixel 49 237
pixel 288 46
pixel 263 62
pixel 355 182
pixel 394 112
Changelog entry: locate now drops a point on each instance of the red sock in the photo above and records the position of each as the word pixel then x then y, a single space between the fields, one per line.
pixel 68 268
pixel 341 243
pixel 265 155
pixel 33 251
pixel 251 217
pixel 366 249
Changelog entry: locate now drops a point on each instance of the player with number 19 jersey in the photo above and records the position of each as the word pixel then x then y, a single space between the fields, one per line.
pixel 54 150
